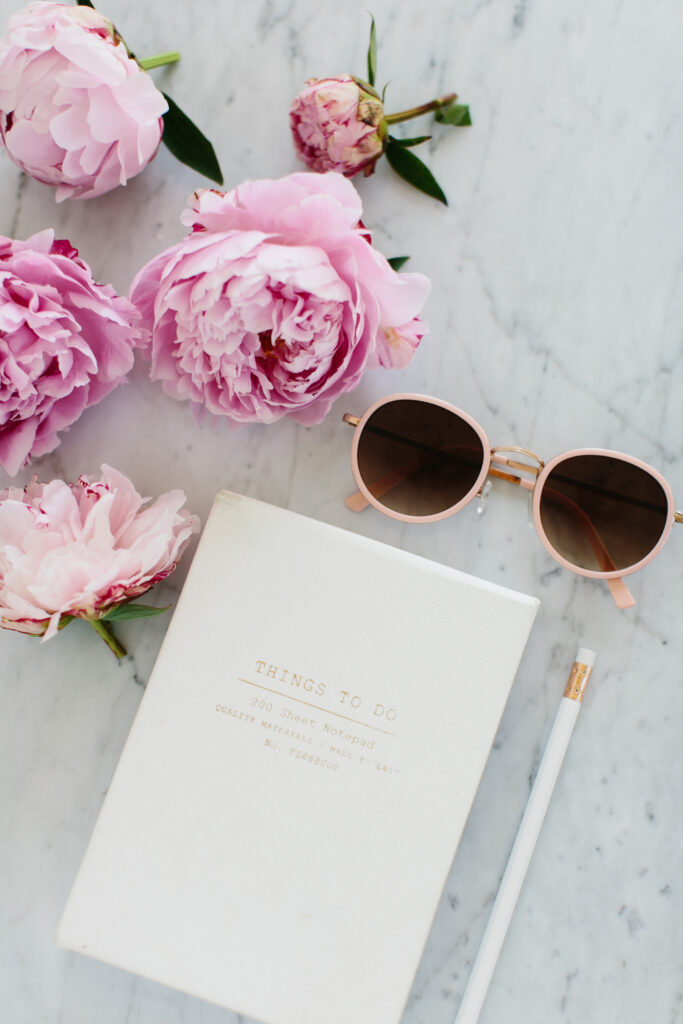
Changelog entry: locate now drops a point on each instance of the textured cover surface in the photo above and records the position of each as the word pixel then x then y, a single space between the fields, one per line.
pixel 289 800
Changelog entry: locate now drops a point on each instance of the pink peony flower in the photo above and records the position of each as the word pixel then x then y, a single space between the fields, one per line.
pixel 277 302
pixel 65 343
pixel 82 549
pixel 75 110
pixel 338 126
pixel 397 344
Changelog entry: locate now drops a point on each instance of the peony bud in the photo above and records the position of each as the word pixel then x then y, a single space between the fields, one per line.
pixel 338 125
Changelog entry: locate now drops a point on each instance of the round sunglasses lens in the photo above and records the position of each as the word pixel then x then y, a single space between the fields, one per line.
pixel 417 458
pixel 602 513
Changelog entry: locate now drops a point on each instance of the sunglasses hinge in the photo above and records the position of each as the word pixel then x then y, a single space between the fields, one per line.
pixel 352 420
pixel 678 517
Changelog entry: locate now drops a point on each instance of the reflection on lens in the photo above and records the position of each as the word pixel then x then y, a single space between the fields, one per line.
pixel 417 458
pixel 602 513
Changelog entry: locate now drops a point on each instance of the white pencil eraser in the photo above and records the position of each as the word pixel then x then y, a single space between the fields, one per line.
pixel 585 656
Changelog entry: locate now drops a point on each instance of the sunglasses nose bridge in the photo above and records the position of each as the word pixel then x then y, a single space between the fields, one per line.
pixel 498 457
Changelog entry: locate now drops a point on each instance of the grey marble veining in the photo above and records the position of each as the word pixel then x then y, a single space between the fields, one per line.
pixel 555 321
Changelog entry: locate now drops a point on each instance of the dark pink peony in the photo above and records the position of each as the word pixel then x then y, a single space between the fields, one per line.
pixel 277 302
pixel 65 343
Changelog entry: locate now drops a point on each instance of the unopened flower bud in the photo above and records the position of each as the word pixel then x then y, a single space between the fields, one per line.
pixel 338 125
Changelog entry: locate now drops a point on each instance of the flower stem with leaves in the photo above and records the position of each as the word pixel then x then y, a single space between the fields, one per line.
pixel 121 613
pixel 181 136
pixel 339 124
pixel 407 165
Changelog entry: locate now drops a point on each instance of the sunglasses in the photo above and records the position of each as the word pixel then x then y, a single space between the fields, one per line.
pixel 599 513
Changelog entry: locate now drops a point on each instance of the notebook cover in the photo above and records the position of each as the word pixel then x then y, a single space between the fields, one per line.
pixel 282 821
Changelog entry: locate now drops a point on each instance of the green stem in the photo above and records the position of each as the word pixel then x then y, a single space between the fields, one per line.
pixel 405 115
pixel 110 640
pixel 159 60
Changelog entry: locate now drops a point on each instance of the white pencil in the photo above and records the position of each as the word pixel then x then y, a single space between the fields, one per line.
pixel 527 835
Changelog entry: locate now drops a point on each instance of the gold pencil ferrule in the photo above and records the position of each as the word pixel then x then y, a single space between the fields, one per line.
pixel 578 681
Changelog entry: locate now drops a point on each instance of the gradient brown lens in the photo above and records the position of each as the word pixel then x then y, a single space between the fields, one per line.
pixel 417 458
pixel 602 513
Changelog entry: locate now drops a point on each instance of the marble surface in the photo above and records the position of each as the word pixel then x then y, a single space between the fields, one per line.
pixel 555 321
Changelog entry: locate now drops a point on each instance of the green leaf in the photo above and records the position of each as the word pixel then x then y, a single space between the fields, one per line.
pixel 122 612
pixel 365 86
pixel 456 114
pixel 85 3
pixel 187 143
pixel 384 91
pixel 411 169
pixel 372 52
pixel 396 262
pixel 407 143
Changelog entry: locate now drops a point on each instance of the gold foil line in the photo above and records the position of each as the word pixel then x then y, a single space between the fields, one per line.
pixel 577 682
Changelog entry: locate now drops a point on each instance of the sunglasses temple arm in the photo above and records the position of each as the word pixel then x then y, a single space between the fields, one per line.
pixel 385 484
pixel 621 595
pixel 357 502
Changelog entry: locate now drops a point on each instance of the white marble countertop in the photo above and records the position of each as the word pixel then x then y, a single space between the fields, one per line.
pixel 555 321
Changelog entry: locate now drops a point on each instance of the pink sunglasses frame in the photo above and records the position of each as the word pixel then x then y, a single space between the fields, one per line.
pixel 493 457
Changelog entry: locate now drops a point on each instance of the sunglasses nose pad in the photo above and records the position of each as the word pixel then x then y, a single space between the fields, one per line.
pixel 483 498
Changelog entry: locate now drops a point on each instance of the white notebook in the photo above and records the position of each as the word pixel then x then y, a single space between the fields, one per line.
pixel 281 823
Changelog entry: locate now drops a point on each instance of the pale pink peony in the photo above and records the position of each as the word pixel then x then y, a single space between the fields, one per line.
pixel 338 126
pixel 75 110
pixel 80 549
pixel 65 343
pixel 277 302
